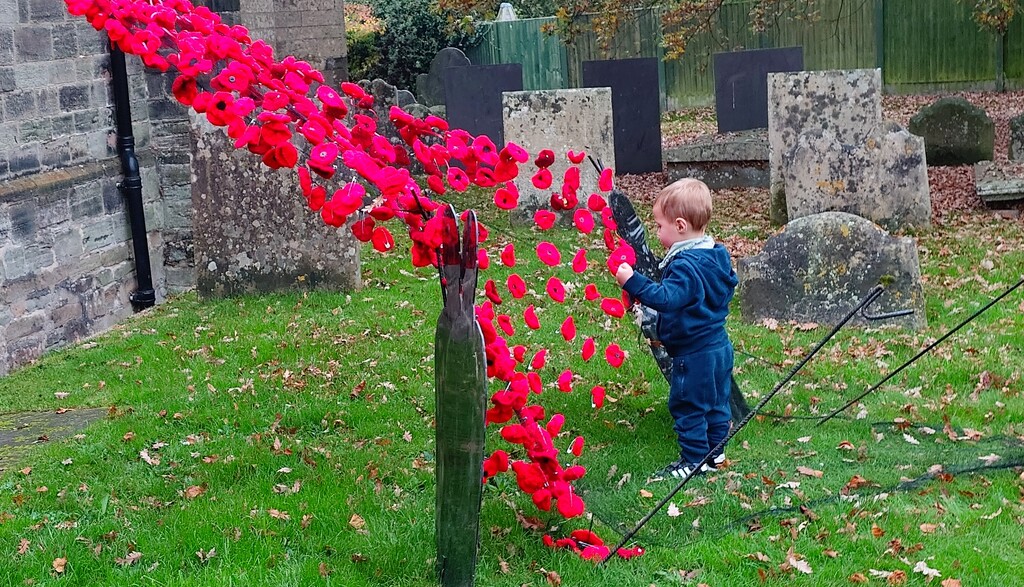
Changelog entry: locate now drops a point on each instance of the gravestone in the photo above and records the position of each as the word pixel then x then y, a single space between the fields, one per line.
pixel 722 161
pixel 405 98
pixel 847 103
pixel 1016 152
pixel 636 110
pixel 252 228
pixel 884 178
pixel 1000 184
pixel 472 97
pixel 820 266
pixel 955 132
pixel 430 85
pixel 560 120
pixel 741 84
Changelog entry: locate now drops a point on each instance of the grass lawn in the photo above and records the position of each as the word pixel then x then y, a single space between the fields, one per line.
pixel 287 440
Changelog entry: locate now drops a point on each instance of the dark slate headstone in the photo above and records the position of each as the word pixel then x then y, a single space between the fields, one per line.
pixel 472 96
pixel 1017 138
pixel 955 132
pixel 636 110
pixel 741 84
pixel 430 85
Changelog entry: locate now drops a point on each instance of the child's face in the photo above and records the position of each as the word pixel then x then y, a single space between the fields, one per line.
pixel 670 231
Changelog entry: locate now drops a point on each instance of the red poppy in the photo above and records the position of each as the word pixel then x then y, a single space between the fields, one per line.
pixel 613 307
pixel 496 463
pixel 185 89
pixel 529 476
pixel 597 395
pixel 628 553
pixel 515 434
pixel 382 239
pixel 533 378
pixel 588 348
pixel 516 286
pixel 530 316
pixel 321 159
pixel 436 184
pixel 283 155
pixel 483 260
pixel 607 180
pixel 576 447
pixel 422 255
pixel 353 90
pixel 274 101
pixel 573 473
pixel 539 360
pixel 518 351
pixel 583 220
pixel 596 203
pixel 565 381
pixel 363 229
pixel 569 329
pixel 542 499
pixel 544 219
pixel 317 197
pixel 579 261
pixel 548 254
pixel 458 179
pixel 614 354
pixel 505 323
pixel 594 553
pixel 623 254
pixel 576 158
pixel 515 153
pixel 611 240
pixel 608 218
pixel 382 213
pixel 556 289
pixel 348 199
pixel 570 505
pixel 484 150
pixel 508 255
pixel 314 131
pixel 571 180
pixel 554 425
pixel 484 177
pixel 492 292
pixel 591 293
pixel 505 171
pixel 545 158
pixel 504 199
pixel 542 179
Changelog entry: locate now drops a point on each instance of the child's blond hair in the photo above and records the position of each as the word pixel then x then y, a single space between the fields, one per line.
pixel 689 199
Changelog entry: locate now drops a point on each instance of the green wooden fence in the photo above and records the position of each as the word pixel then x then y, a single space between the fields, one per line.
pixel 921 45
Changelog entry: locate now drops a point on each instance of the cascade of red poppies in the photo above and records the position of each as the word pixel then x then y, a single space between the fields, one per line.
pixel 284 112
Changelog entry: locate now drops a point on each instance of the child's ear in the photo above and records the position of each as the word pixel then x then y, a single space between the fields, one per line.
pixel 681 224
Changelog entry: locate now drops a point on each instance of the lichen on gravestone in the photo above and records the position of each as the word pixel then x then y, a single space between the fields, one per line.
pixel 955 132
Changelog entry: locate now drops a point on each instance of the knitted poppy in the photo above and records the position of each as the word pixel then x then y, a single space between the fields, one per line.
pixel 496 463
pixel 518 351
pixel 542 499
pixel 576 446
pixel 554 425
pixel 556 289
pixel 588 348
pixel 436 184
pixel 514 433
pixel 314 131
pixel 317 197
pixel 530 316
pixel 613 307
pixel 606 182
pixel 548 254
pixel 505 200
pixel 570 505
pixel 533 378
pixel 305 180
pixel 590 292
pixel 457 179
pixel 363 229
pixel 596 203
pixel 594 553
pixel 597 395
pixel 542 179
pixel 382 213
pixel 508 255
pixel 608 219
pixel 283 155
pixel 483 260
pixel 583 220
pixel 185 89
pixel 545 158
pixel 529 476
pixel 628 553
pixel 321 159
pixel 622 254
pixel 569 329
pixel 505 323
pixel 544 219
pixel 382 239
pixel 491 291
pixel 539 359
pixel 571 179
pixel 579 261
pixel 484 150
pixel 515 153
pixel 614 354
pixel 565 381
pixel 348 198
pixel 576 158
pixel 573 473
pixel 516 286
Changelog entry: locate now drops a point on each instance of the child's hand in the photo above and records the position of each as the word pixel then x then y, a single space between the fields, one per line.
pixel 623 273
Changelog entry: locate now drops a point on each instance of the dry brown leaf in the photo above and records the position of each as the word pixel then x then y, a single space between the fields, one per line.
pixel 897 578
pixel 357 522
pixel 503 567
pixel 194 491
pixel 129 559
pixel 950 582
pixel 278 514
pixel 876 531
pixel 59 564
pixel 324 571
pixel 144 455
pixel 554 579
pixel 23 545
pixel 759 556
pixel 809 471
pixel 928 528
pixel 858 578
pixel 846 445
pixel 307 519
pixel 128 436
pixel 645 493
pixel 830 553
pixel 26 471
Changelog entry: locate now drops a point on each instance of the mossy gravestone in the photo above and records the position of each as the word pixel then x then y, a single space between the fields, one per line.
pixel 1017 138
pixel 822 265
pixel 955 132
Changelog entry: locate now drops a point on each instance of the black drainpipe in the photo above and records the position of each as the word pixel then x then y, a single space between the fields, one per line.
pixel 131 186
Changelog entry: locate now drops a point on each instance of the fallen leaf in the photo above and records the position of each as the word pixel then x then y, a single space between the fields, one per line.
pixel 357 522
pixel 645 493
pixel 554 579
pixel 284 470
pixel 23 545
pixel 800 565
pixel 830 553
pixel 673 510
pixel 358 557
pixel 990 459
pixel 279 515
pixel 993 514
pixel 876 531
pixel 950 582
pixel 307 519
pixel 407 436
pixel 804 439
pixel 923 568
pixel 324 571
pixel 66 462
pixel 759 556
pixel 128 436
pixel 928 528
pixel 144 455
pixel 26 471
pixel 59 564
pixel 809 472
pixel 130 559
pixel 194 491
pixel 897 578
pixel 910 439
pixel 858 578
pixel 846 445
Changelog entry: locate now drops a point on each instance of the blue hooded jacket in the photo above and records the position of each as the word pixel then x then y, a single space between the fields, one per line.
pixel 692 299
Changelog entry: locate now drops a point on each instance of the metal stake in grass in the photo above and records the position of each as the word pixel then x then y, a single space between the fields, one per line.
pixel 868 299
pixel 925 351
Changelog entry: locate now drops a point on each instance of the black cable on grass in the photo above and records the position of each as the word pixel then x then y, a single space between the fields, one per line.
pixel 872 295
pixel 923 352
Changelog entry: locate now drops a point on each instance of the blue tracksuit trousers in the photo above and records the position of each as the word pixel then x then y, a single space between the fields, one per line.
pixel 698 399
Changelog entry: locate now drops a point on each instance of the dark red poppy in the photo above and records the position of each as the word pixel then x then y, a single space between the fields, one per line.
pixel 613 307
pixel 514 152
pixel 583 220
pixel 545 158
pixel 363 229
pixel 516 286
pixel 542 179
pixel 588 348
pixel 548 254
pixel 317 197
pixel 614 354
pixel 597 395
pixel 496 463
pixel 579 261
pixel 185 89
pixel 556 289
pixel 382 239
pixel 491 291
pixel 569 329
pixel 382 213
